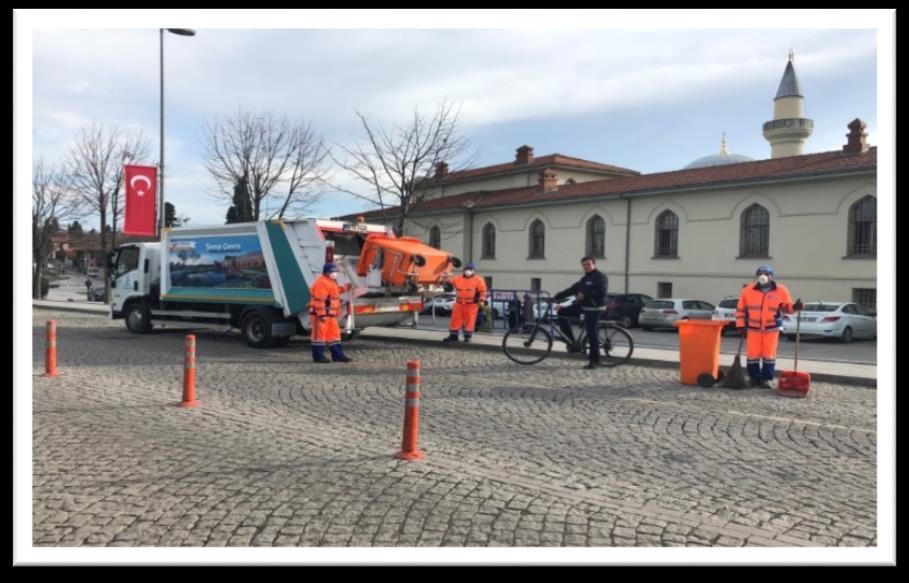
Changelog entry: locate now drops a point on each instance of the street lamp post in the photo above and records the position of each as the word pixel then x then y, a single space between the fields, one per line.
pixel 181 32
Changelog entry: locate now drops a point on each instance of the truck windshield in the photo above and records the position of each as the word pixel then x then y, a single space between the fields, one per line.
pixel 127 260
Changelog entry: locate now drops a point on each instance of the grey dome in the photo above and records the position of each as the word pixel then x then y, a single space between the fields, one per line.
pixel 718 160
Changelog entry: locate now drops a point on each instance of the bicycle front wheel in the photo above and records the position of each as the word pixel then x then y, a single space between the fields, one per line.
pixel 616 345
pixel 528 346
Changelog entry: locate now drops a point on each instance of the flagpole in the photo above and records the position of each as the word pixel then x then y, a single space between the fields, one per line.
pixel 181 32
pixel 161 142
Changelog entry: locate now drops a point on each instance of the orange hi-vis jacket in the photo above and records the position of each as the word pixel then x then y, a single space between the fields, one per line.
pixel 469 290
pixel 761 311
pixel 325 297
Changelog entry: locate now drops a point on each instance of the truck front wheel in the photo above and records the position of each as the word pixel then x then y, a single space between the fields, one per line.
pixel 137 318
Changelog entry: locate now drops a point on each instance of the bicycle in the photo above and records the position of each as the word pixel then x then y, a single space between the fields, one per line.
pixel 531 344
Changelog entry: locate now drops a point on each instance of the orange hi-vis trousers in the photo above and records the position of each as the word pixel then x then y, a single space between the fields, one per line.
pixel 762 345
pixel 463 315
pixel 325 331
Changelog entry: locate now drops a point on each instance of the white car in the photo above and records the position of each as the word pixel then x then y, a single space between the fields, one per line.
pixel 662 313
pixel 540 309
pixel 443 305
pixel 842 320
pixel 725 310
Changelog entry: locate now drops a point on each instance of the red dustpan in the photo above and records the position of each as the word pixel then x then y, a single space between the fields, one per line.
pixel 792 382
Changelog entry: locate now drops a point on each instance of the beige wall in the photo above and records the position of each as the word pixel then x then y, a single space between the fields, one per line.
pixel 808 240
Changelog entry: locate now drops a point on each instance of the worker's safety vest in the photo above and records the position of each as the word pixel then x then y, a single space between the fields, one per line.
pixel 469 290
pixel 761 311
pixel 325 297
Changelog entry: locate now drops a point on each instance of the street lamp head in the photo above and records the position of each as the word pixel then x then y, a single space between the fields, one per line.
pixel 182 31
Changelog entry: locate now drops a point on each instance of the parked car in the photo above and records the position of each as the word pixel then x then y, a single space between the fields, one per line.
pixel 540 309
pixel 625 309
pixel 443 305
pixel 96 294
pixel 662 313
pixel 841 320
pixel 725 310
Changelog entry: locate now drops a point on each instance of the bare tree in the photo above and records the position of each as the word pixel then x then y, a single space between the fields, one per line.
pixel 52 203
pixel 278 158
pixel 397 163
pixel 96 174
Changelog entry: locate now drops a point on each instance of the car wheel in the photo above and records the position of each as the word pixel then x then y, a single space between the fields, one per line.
pixel 626 321
pixel 846 338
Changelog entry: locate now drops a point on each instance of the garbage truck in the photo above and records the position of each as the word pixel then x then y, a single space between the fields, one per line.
pixel 256 277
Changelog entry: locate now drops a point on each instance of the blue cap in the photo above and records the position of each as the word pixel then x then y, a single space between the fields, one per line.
pixel 328 268
pixel 469 266
pixel 765 269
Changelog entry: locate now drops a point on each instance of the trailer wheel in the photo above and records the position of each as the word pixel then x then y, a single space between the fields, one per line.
pixel 137 318
pixel 256 328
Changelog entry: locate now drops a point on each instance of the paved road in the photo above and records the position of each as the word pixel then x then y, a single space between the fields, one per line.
pixel 284 452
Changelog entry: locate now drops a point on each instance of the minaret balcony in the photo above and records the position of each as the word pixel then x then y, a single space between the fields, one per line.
pixel 790 124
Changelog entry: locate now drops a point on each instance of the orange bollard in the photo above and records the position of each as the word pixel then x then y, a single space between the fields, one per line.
pixel 409 449
pixel 189 374
pixel 50 353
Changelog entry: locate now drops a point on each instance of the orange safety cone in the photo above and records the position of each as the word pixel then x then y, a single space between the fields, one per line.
pixel 50 353
pixel 409 449
pixel 189 374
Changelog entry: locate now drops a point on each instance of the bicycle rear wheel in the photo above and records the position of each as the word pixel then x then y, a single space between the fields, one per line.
pixel 616 345
pixel 527 346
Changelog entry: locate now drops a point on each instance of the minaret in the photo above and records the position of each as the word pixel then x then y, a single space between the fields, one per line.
pixel 789 129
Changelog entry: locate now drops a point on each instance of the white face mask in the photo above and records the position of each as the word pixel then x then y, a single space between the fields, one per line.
pixel 333 275
pixel 467 273
pixel 763 279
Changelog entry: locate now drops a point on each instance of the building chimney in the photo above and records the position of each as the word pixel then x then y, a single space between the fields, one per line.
pixel 857 135
pixel 548 180
pixel 441 170
pixel 524 157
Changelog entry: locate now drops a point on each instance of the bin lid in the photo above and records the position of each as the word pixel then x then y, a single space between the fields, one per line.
pixel 705 323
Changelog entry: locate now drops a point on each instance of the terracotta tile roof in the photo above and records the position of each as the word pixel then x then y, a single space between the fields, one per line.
pixel 760 170
pixel 538 163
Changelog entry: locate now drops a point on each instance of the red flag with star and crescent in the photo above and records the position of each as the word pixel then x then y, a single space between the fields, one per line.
pixel 141 200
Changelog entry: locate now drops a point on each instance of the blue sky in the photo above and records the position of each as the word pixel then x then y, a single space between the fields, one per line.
pixel 650 100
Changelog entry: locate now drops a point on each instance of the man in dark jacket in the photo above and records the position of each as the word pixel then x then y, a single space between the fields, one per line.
pixel 590 294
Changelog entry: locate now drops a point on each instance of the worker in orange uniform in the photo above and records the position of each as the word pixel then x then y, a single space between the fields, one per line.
pixel 759 315
pixel 324 309
pixel 470 294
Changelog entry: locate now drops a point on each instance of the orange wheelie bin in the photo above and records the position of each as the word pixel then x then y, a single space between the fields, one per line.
pixel 699 351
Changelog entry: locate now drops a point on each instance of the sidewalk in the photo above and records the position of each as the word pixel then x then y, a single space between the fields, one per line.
pixel 851 373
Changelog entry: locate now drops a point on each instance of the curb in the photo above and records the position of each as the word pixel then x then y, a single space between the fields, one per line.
pixel 652 362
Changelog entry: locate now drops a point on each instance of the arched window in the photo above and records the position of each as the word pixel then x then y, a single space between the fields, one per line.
pixel 537 239
pixel 863 228
pixel 435 237
pixel 754 240
pixel 596 237
pixel 489 242
pixel 667 235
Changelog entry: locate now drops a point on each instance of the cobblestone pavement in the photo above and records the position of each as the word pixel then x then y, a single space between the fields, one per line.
pixel 285 452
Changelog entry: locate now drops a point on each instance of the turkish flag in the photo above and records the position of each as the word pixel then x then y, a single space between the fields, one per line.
pixel 141 200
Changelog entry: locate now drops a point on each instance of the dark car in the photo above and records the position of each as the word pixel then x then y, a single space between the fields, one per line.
pixel 625 308
pixel 95 294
